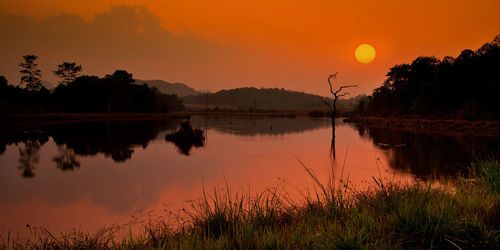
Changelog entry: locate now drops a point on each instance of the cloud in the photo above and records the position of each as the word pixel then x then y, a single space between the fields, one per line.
pixel 123 37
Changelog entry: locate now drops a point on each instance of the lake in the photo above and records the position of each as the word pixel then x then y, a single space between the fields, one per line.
pixel 88 175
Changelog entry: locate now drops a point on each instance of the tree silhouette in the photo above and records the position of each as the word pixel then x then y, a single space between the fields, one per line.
pixel 68 71
pixel 465 87
pixel 336 95
pixel 114 93
pixel 121 76
pixel 3 82
pixel 31 73
pixel 333 107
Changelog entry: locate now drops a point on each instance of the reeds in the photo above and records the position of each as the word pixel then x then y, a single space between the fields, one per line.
pixel 390 215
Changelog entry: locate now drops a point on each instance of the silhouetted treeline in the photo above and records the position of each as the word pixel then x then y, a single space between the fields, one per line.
pixel 17 99
pixel 252 99
pixel 114 93
pixel 465 87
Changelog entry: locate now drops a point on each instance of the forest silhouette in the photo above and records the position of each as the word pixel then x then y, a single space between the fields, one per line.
pixel 465 87
pixel 115 93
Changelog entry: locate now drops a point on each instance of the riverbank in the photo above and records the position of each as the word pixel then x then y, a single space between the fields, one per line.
pixel 77 117
pixel 479 128
pixel 391 215
pixel 42 117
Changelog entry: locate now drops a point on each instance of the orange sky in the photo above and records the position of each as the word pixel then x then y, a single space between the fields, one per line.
pixel 225 44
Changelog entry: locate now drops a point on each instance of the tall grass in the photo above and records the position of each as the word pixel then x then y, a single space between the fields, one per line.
pixel 390 215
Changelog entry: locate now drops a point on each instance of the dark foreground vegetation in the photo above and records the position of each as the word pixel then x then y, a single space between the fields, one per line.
pixel 465 87
pixel 390 215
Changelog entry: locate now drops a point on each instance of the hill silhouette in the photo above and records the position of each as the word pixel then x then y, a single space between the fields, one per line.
pixel 251 99
pixel 179 89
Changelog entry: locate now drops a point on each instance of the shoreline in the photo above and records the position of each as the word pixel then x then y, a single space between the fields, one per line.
pixel 446 126
pixel 478 128
pixel 75 117
pixel 85 117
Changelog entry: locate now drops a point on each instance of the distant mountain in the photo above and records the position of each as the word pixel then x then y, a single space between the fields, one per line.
pixel 179 89
pixel 265 99
pixel 48 85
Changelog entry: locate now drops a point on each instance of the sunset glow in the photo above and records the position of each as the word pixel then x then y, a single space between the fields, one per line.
pixel 227 44
pixel 140 124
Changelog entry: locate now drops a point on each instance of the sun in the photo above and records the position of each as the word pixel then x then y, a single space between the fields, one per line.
pixel 365 53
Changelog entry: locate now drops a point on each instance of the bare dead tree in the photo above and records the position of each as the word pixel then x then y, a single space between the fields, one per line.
pixel 333 106
pixel 336 95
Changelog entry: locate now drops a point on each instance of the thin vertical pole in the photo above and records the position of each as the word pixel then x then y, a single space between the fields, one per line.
pixel 206 116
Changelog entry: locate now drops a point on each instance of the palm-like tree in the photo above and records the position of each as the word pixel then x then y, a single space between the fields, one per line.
pixel 31 73
pixel 68 71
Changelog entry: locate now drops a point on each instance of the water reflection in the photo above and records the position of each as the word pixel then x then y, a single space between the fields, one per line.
pixel 186 138
pixel 101 190
pixel 332 145
pixel 29 147
pixel 426 156
pixel 254 126
pixel 130 165
pixel 117 139
pixel 429 156
pixel 66 160
pixel 113 139
pixel 28 157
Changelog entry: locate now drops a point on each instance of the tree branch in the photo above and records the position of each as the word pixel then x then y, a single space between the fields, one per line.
pixel 331 86
pixel 344 87
pixel 344 94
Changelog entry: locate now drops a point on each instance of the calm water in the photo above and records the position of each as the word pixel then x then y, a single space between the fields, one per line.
pixel 94 174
